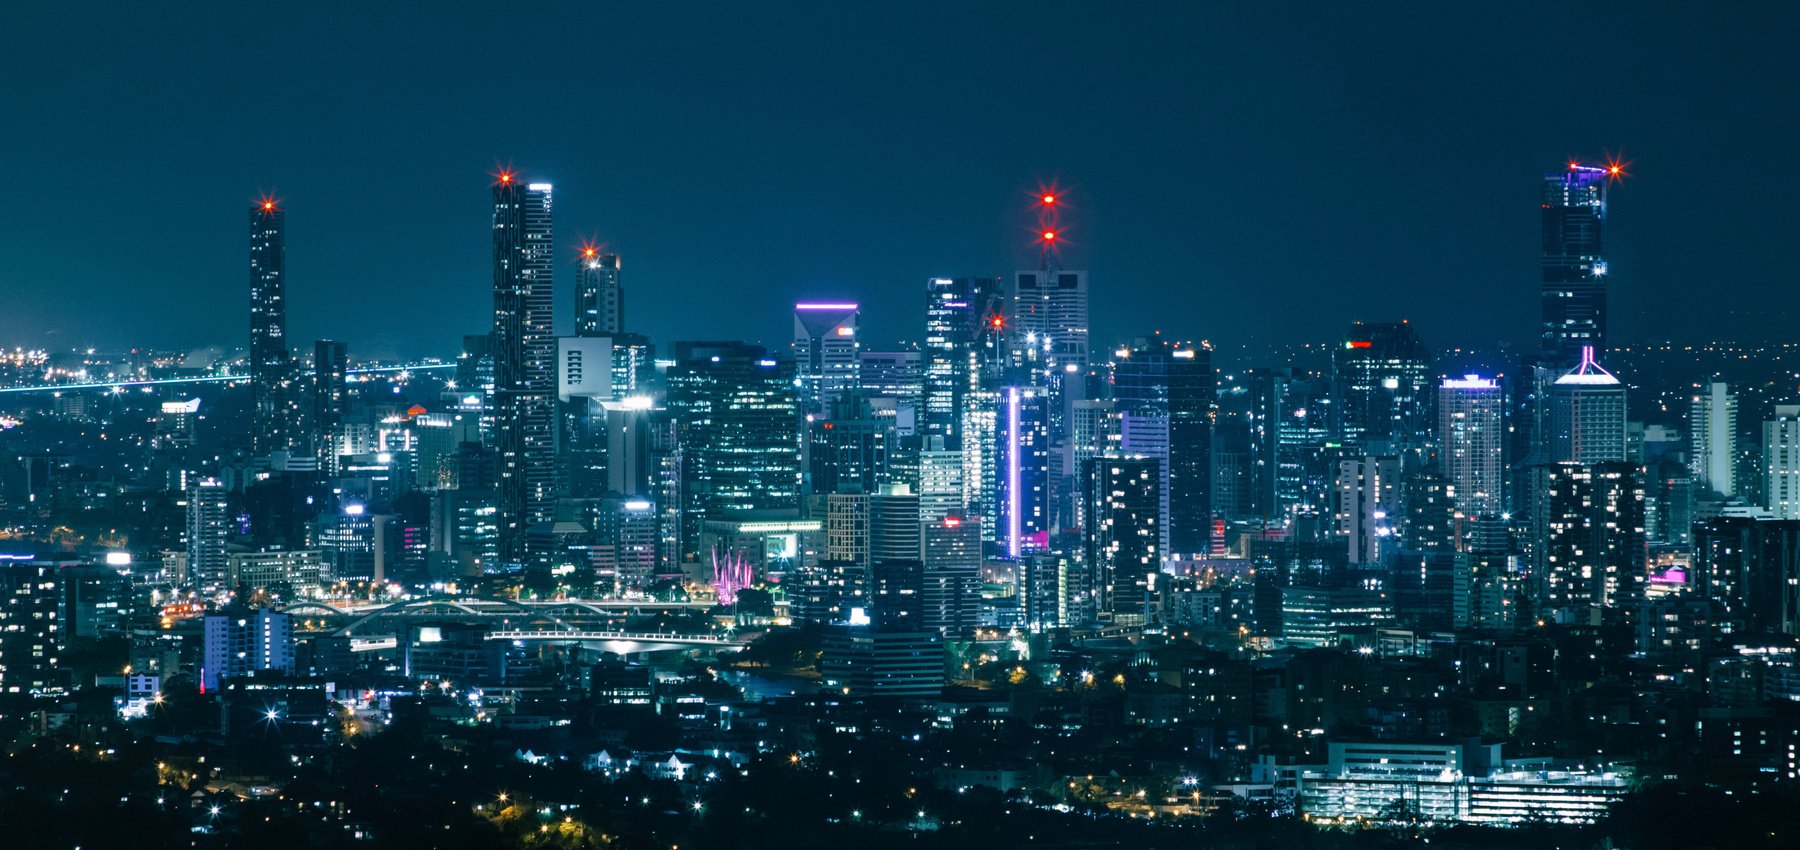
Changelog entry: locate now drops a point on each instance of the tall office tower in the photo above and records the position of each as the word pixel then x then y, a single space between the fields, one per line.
pixel 473 393
pixel 330 395
pixel 634 365
pixel 1574 274
pixel 207 529
pixel 1021 475
pixel 1472 443
pixel 1587 415
pixel 1430 507
pixel 1668 501
pixel 825 353
pixel 940 481
pixel 276 410
pixel 895 375
pixel 1781 462
pixel 1175 382
pixel 1302 450
pixel 952 573
pixel 737 429
pixel 31 625
pixel 242 645
pixel 524 349
pixel 896 558
pixel 1751 567
pixel 1052 591
pixel 599 299
pixel 1122 542
pixel 1368 507
pixel 1712 430
pixel 958 311
pixel 584 385
pixel 1593 535
pixel 1383 383
pixel 630 459
pixel 626 538
pixel 851 452
pixel 1049 319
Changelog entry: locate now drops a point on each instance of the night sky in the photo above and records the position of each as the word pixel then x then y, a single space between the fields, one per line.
pixel 1244 172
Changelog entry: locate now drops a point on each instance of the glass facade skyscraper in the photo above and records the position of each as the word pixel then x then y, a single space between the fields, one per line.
pixel 738 435
pixel 275 415
pixel 599 297
pixel 1574 273
pixel 524 351
pixel 1175 382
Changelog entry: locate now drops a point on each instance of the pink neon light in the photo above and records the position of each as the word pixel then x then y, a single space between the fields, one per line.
pixel 1012 472
pixel 730 575
pixel 824 306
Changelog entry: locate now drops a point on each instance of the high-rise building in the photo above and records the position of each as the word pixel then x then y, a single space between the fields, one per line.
pixel 1383 385
pixel 1050 319
pixel 1781 462
pixel 1174 382
pixel 958 313
pixel 330 393
pixel 1574 273
pixel 1123 553
pixel 31 624
pixel 1750 566
pixel 1368 507
pixel 897 376
pixel 825 353
pixel 1021 474
pixel 524 351
pixel 625 544
pixel 735 412
pixel 1472 440
pixel 1712 432
pixel 952 576
pixel 242 645
pixel 207 529
pixel 1593 541
pixel 599 298
pixel 1587 415
pixel 275 408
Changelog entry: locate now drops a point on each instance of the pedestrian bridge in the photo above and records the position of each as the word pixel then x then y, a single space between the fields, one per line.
pixel 621 642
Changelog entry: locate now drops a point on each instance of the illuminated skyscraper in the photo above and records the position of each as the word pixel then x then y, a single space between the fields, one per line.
pixel 825 353
pixel 1472 437
pixel 276 409
pixel 207 530
pixel 1593 535
pixel 1384 388
pixel 524 350
pixel 330 393
pixel 1712 427
pixel 599 298
pixel 735 409
pixel 1574 273
pixel 1174 383
pixel 1020 476
pixel 1123 546
pixel 1781 462
pixel 956 311
pixel 1050 318
pixel 1587 415
pixel 952 574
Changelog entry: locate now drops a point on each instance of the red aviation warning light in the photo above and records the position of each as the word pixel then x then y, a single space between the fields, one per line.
pixel 1049 200
pixel 1049 236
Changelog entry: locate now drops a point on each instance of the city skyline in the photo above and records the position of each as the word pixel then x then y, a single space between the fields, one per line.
pixel 1167 209
pixel 1153 425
